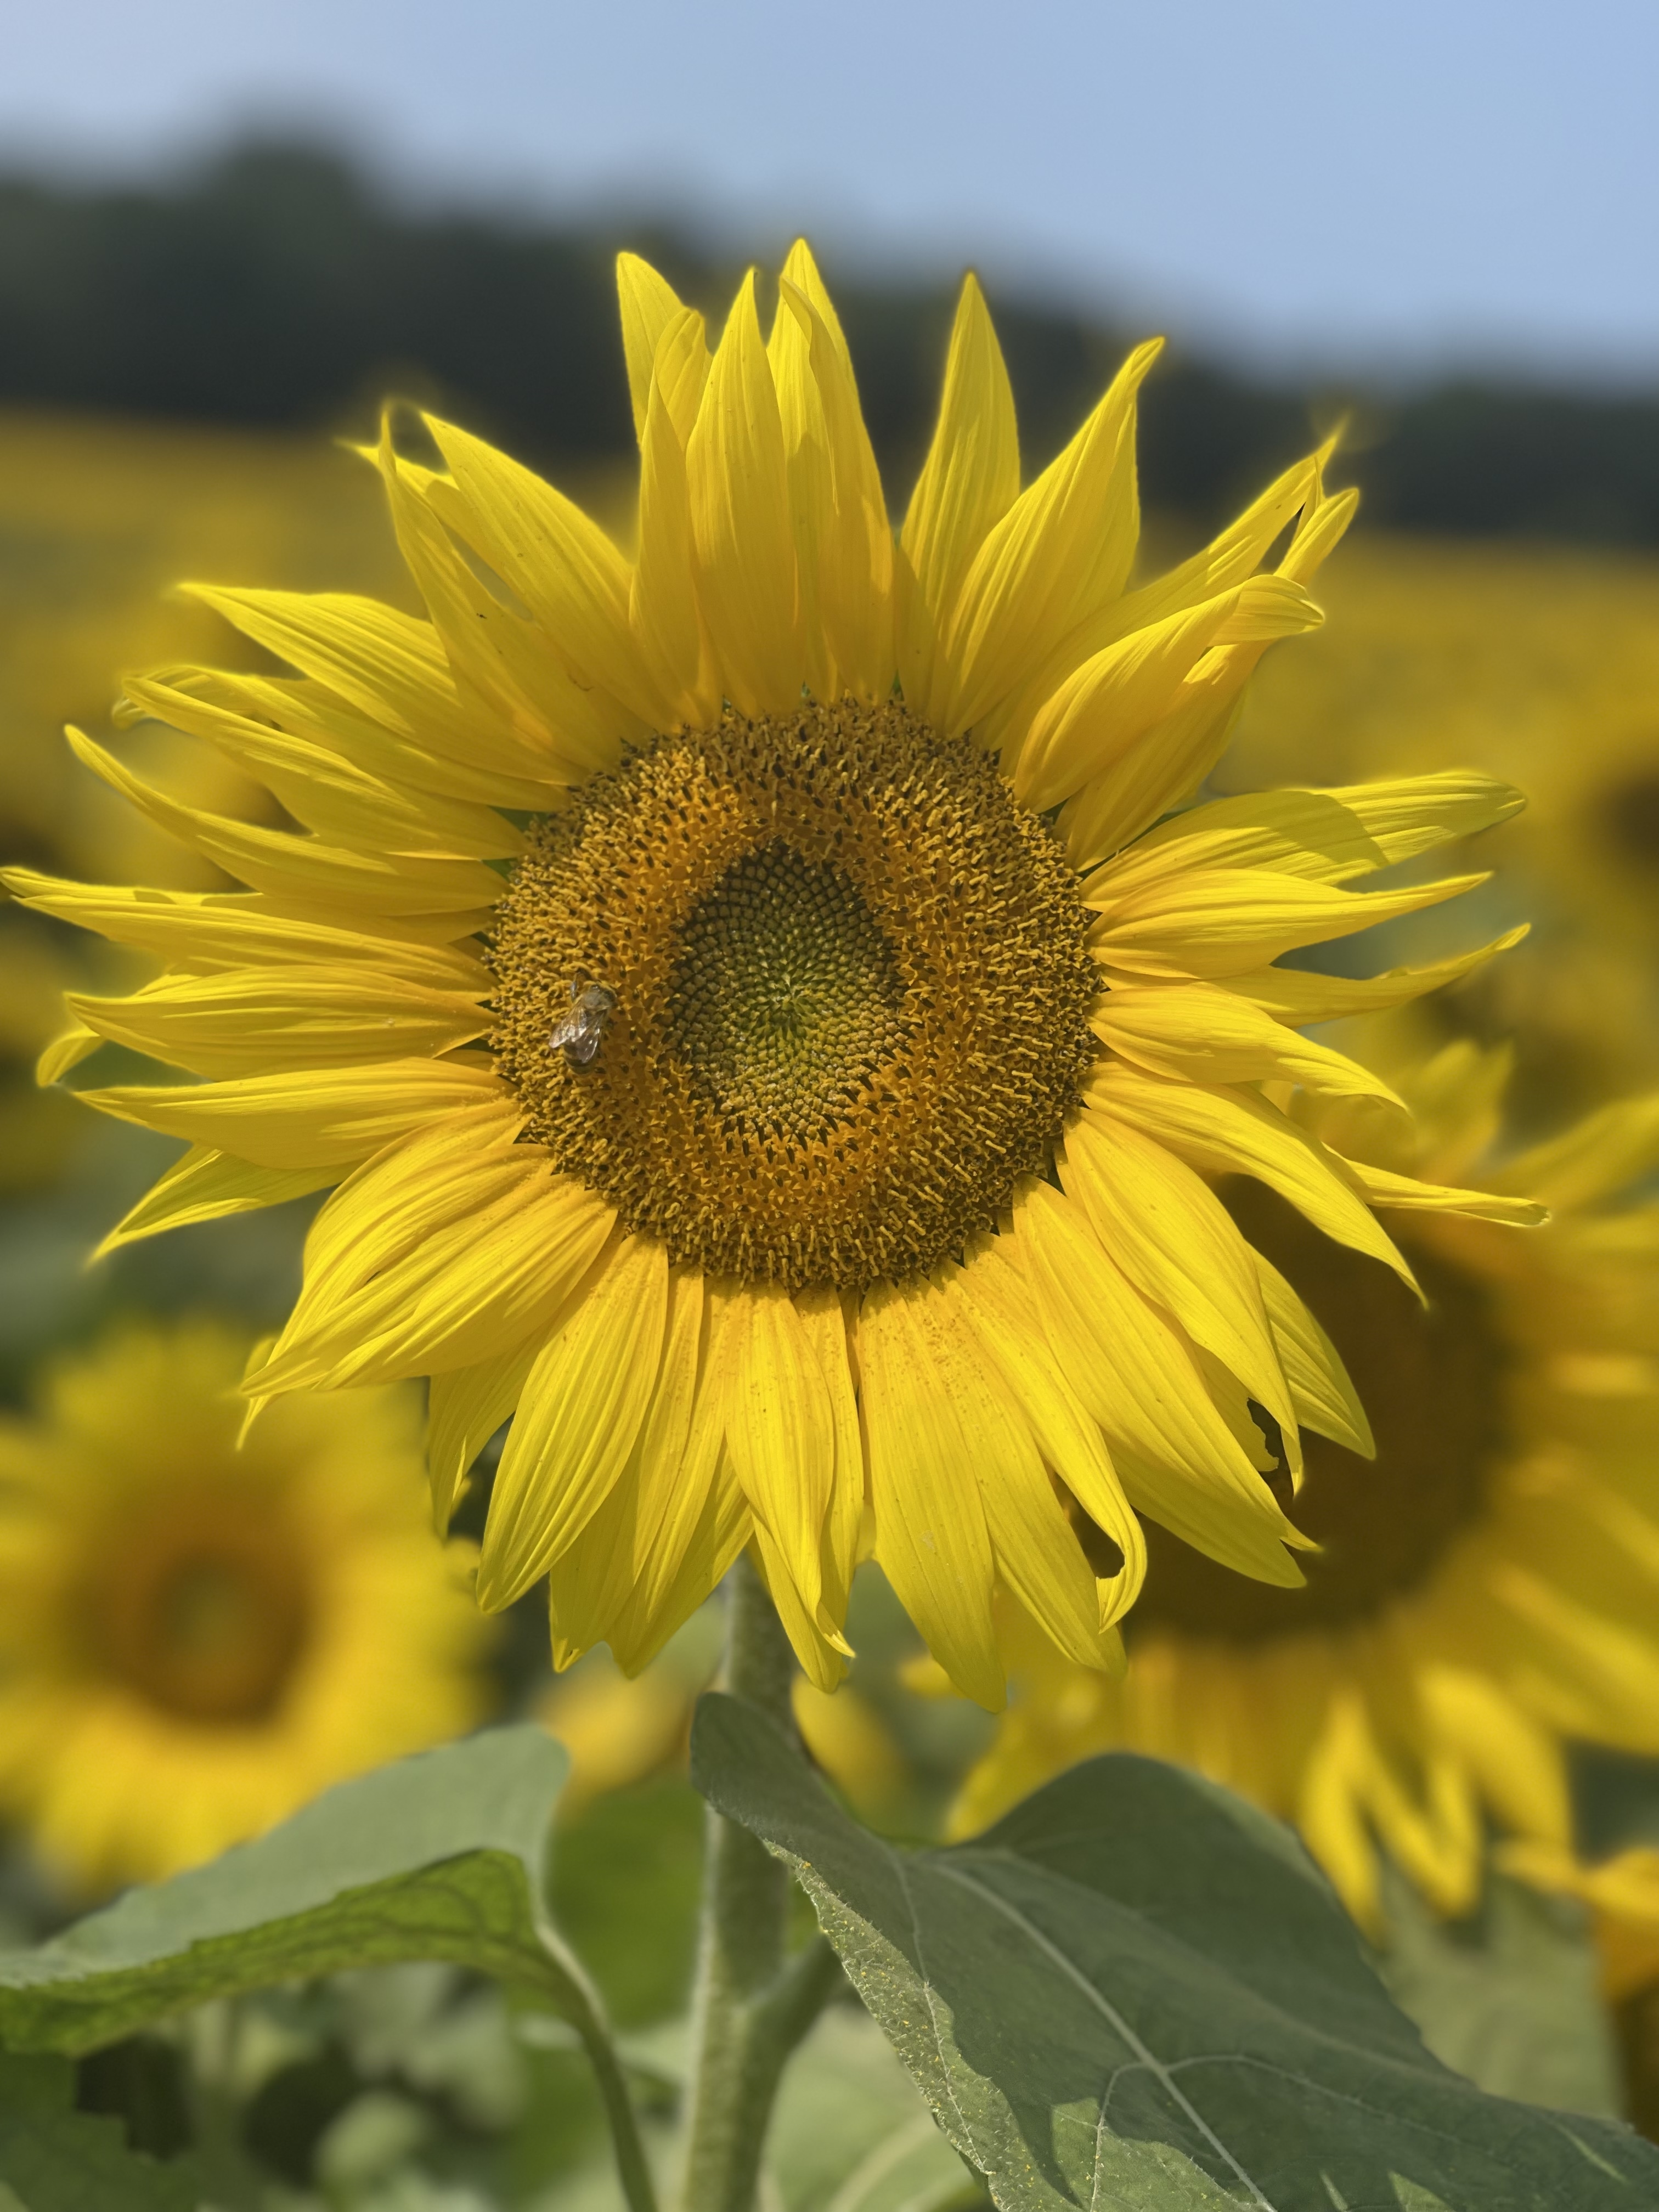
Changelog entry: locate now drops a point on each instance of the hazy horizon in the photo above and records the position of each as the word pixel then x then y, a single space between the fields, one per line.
pixel 1391 192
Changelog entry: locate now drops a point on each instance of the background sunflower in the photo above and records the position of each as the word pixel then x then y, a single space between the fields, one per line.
pixel 1486 1592
pixel 198 1634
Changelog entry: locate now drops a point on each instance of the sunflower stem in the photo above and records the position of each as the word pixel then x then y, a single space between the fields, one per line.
pixel 752 2003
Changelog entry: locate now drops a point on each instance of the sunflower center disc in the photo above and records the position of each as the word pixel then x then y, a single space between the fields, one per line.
pixel 207 1618
pixel 787 997
pixel 1432 1384
pixel 853 992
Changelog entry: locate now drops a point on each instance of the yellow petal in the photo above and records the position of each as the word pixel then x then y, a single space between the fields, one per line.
pixel 302 867
pixel 66 1051
pixel 1178 1245
pixel 388 666
pixel 577 1419
pixel 1222 1132
pixel 740 520
pixel 556 558
pixel 1063 549
pixel 1324 1397
pixel 780 1429
pixel 250 1021
pixel 331 1117
pixel 649 303
pixel 1324 523
pixel 467 1405
pixel 327 792
pixel 214 929
pixel 1328 836
pixel 207 1186
pixel 810 473
pixel 996 1297
pixel 681 1448
pixel 1220 567
pixel 825 1328
pixel 723 1526
pixel 666 623
pixel 1165 767
pixel 625 1565
pixel 1199 1034
pixel 529 717
pixel 931 1536
pixel 1298 994
pixel 968 481
pixel 1213 922
pixel 1111 701
pixel 822 1662
pixel 1384 1187
pixel 856 563
pixel 1129 1366
pixel 484 1280
pixel 1229 557
pixel 1038 1557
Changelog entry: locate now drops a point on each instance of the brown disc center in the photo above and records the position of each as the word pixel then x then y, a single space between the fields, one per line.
pixel 847 983
pixel 206 1619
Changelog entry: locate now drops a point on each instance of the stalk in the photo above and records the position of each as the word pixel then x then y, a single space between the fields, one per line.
pixel 752 2003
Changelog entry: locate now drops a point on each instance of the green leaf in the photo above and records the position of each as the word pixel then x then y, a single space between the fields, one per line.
pixel 440 1856
pixel 1135 1992
pixel 53 2159
pixel 849 2133
pixel 1509 1997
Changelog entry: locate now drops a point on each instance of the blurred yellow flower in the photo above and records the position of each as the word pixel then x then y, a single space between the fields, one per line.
pixel 849 1740
pixel 1488 1588
pixel 617 1729
pixel 196 1638
pixel 1539 663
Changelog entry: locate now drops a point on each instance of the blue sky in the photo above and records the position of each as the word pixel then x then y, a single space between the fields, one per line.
pixel 1386 188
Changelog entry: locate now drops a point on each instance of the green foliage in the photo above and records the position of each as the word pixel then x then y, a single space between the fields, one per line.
pixel 625 1886
pixel 1136 1989
pixel 849 2133
pixel 437 1857
pixel 53 2159
pixel 1509 1996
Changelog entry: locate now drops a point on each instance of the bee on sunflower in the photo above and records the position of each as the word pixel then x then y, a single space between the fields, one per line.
pixel 767 1026
pixel 196 1635
pixel 1486 1589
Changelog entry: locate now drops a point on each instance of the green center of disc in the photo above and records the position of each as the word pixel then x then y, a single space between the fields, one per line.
pixel 785 995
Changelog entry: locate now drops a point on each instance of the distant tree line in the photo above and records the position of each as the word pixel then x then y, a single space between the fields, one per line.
pixel 276 288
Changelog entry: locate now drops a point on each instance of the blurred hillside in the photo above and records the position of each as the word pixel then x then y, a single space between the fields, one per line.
pixel 277 290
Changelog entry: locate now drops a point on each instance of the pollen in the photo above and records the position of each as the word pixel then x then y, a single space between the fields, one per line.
pixel 852 994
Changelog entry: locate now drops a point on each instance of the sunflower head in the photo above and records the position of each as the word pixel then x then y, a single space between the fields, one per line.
pixel 1484 1591
pixel 199 1637
pixel 771 1010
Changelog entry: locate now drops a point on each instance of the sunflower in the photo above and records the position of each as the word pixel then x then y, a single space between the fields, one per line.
pixel 1540 664
pixel 1488 1589
pixel 196 1638
pixel 761 1024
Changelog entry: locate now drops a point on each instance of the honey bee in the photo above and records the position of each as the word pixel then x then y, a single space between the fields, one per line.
pixel 579 1034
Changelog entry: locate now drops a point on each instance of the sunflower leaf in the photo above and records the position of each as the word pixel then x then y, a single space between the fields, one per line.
pixel 1135 1990
pixel 441 1856
pixel 53 2159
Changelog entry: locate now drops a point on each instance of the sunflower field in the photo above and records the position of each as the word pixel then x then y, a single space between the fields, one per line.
pixel 830 1319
